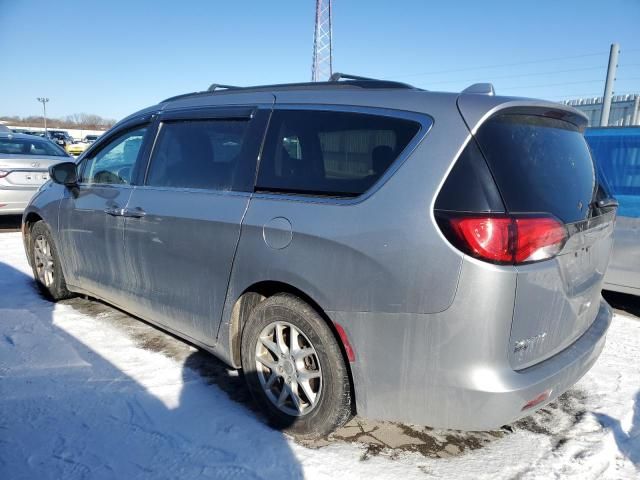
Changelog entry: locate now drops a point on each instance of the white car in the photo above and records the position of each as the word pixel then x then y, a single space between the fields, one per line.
pixel 24 167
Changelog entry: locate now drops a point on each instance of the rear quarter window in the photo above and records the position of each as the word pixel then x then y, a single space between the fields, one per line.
pixel 330 153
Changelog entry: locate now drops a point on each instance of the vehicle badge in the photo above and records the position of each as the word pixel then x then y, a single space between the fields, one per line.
pixel 35 164
pixel 580 205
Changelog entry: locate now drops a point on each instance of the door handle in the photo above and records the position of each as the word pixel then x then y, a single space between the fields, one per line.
pixel 114 211
pixel 133 212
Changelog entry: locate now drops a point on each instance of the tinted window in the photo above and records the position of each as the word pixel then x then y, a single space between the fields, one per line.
pixel 330 153
pixel 470 186
pixel 197 154
pixel 114 163
pixel 540 164
pixel 30 147
pixel 617 155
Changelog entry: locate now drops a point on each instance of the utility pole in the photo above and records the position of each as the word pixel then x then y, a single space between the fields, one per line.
pixel 44 101
pixel 608 86
pixel 322 67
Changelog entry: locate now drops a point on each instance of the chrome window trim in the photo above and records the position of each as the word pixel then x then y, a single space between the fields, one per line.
pixel 194 190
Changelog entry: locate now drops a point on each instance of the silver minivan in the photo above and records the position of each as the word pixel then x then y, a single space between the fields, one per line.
pixel 355 246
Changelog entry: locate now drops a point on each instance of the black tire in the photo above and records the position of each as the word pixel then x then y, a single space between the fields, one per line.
pixel 334 404
pixel 57 289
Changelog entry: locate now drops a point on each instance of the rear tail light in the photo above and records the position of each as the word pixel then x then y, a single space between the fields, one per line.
pixel 538 238
pixel 505 239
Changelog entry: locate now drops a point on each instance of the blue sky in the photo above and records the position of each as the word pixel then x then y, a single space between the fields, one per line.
pixel 112 58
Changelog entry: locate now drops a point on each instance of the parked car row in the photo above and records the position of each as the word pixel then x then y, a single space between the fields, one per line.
pixel 63 139
pixel 354 246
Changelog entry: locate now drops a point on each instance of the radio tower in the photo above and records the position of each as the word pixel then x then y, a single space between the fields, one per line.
pixel 322 69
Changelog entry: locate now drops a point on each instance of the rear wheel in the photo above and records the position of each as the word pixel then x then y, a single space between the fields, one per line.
pixel 45 263
pixel 294 367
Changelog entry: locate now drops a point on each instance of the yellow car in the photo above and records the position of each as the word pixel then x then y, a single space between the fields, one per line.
pixel 76 149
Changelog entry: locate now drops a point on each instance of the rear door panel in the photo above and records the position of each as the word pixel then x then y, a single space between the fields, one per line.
pixel 180 254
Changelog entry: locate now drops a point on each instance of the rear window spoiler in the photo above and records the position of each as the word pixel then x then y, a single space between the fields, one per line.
pixel 476 109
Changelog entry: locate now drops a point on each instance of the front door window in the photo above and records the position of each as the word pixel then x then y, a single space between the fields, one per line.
pixel 114 163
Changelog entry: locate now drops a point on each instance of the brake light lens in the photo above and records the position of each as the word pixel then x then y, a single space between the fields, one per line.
pixel 506 239
pixel 485 237
pixel 538 239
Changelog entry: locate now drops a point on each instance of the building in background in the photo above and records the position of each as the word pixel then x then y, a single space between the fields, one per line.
pixel 625 109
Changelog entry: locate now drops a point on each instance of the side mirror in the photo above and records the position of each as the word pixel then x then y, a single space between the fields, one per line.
pixel 65 173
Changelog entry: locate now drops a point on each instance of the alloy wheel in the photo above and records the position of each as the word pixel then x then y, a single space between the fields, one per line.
pixel 43 259
pixel 288 368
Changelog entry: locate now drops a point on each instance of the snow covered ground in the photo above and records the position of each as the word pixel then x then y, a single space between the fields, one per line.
pixel 88 392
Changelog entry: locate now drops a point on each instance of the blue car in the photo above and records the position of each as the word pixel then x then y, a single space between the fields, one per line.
pixel 617 154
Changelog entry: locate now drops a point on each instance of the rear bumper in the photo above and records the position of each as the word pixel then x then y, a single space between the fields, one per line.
pixel 497 397
pixel 13 201
pixel 452 369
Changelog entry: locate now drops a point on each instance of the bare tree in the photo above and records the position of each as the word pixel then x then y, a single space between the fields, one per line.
pixel 81 121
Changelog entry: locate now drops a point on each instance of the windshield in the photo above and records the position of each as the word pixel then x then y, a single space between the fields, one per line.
pixel 35 146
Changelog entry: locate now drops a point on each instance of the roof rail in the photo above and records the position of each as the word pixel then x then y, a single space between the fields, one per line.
pixel 336 77
pixel 480 89
pixel 354 82
pixel 215 86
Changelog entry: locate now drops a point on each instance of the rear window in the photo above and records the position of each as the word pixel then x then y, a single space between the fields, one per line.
pixel 330 153
pixel 540 165
pixel 617 156
pixel 14 146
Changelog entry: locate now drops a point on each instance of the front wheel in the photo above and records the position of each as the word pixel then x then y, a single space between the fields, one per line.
pixel 294 367
pixel 45 263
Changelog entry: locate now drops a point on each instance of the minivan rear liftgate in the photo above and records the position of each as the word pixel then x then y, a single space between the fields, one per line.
pixel 524 193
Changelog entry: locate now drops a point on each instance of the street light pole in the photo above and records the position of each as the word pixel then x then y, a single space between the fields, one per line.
pixel 44 101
